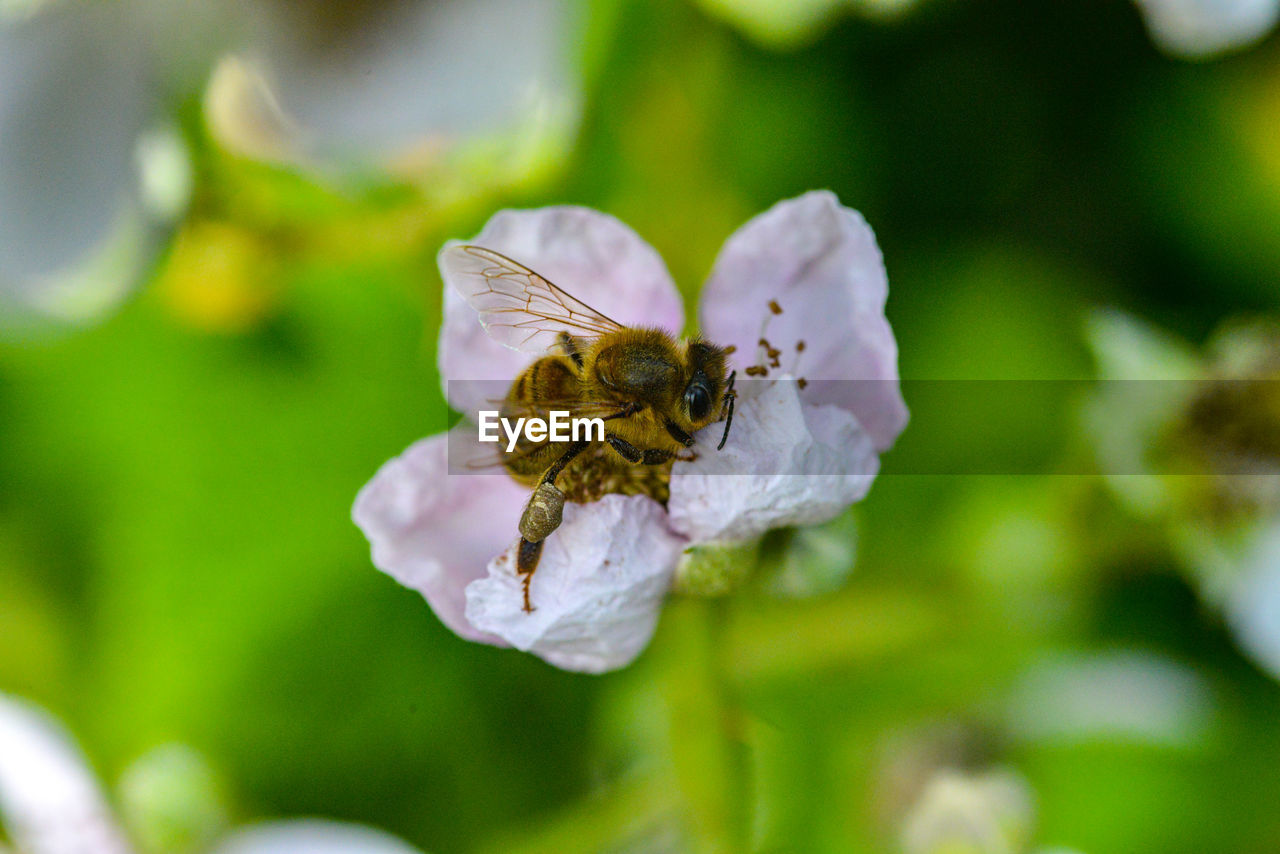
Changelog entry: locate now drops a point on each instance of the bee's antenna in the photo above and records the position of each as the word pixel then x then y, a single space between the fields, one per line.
pixel 731 396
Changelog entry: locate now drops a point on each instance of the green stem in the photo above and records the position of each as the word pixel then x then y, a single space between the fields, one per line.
pixel 732 727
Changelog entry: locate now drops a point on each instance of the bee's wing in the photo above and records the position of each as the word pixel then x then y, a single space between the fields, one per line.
pixel 517 307
pixel 576 407
pixel 493 459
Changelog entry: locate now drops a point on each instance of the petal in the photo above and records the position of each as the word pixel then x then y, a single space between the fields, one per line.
pixel 598 588
pixel 312 836
pixel 435 530
pixel 1200 28
pixel 820 263
pixel 1114 696
pixel 591 255
pixel 50 802
pixel 1253 605
pixel 786 463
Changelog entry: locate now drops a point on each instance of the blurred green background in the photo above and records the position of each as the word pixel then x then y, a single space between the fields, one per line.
pixel 177 562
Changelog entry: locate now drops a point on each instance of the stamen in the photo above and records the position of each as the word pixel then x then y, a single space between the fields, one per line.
pixel 771 352
pixel 764 349
pixel 795 366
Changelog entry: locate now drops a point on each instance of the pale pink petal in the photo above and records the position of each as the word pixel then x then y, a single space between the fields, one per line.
pixel 597 591
pixel 786 463
pixel 50 802
pixel 591 255
pixel 435 530
pixel 312 836
pixel 819 262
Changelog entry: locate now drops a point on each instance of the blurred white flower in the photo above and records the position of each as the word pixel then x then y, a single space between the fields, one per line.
pixel 976 813
pixel 1112 696
pixel 1191 29
pixel 1203 28
pixel 311 836
pixel 1253 605
pixel 91 175
pixel 51 803
pixel 380 84
pixel 94 176
pixel 1189 442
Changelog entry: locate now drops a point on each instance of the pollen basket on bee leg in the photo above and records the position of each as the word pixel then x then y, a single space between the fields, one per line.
pixel 543 513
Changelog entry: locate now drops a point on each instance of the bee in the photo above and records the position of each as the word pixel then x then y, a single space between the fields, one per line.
pixel 652 391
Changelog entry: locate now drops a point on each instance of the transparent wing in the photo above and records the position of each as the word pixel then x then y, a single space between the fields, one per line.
pixel 576 407
pixel 517 307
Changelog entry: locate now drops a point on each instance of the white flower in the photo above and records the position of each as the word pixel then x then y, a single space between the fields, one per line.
pixel 388 83
pixel 988 813
pixel 311 836
pixel 1203 28
pixel 799 453
pixel 91 177
pixel 94 177
pixel 1220 503
pixel 1253 604
pixel 51 803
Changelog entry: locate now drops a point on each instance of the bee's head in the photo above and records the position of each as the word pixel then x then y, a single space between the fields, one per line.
pixel 706 381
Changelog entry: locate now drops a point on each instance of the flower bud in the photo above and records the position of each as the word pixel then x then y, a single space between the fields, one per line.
pixel 715 568
pixel 172 802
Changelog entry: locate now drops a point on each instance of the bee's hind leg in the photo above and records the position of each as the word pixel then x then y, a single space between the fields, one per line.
pixel 541 516
pixel 527 555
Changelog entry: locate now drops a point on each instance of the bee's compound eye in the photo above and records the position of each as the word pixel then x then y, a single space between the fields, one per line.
pixel 698 401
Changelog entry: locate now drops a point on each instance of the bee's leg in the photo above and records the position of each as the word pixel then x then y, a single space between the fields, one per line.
pixel 632 454
pixel 676 432
pixel 526 562
pixel 729 397
pixel 542 516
